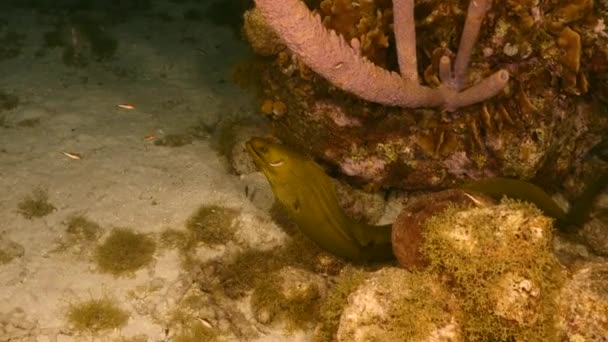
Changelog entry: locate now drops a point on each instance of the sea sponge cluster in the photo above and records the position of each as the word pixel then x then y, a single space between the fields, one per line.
pixel 260 36
pixel 369 22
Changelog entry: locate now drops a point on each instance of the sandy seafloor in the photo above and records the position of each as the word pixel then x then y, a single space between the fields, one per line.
pixel 122 179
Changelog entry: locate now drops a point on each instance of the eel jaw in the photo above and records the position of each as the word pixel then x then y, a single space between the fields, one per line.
pixel 259 159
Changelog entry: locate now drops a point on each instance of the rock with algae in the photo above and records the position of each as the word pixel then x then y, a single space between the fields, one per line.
pixel 292 295
pixel 595 231
pixel 584 303
pixel 408 229
pixel 500 261
pixel 491 275
pixel 396 305
pixel 555 53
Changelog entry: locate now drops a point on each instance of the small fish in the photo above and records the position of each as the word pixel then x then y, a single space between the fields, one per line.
pixel 126 106
pixel 150 137
pixel 72 155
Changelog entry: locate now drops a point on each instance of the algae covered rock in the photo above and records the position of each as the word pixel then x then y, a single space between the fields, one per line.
pixel 396 305
pixel 292 295
pixel 595 231
pixel 490 275
pixel 407 234
pixel 500 264
pixel 584 303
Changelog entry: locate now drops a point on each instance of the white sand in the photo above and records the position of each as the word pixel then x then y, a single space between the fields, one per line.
pixel 122 180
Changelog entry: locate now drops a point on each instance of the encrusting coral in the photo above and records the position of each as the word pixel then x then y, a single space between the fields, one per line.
pixel 331 57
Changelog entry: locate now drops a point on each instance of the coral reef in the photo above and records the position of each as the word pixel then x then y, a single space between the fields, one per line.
pixel 555 54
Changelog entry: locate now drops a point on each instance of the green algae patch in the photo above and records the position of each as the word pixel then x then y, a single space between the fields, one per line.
pixel 213 224
pixel 80 228
pixel 174 140
pixel 9 250
pixel 80 236
pixel 136 338
pixel 188 319
pixel 295 301
pixel 124 251
pixel 251 266
pixel 332 307
pixel 499 262
pixel 196 332
pixel 173 238
pixel 420 311
pixel 96 315
pixel 36 205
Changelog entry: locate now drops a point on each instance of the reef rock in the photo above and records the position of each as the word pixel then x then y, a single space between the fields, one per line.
pixel 396 305
pixel 540 126
pixel 584 303
pixel 500 264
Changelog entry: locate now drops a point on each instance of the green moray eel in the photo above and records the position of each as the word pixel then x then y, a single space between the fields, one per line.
pixel 521 190
pixel 309 196
pixel 566 221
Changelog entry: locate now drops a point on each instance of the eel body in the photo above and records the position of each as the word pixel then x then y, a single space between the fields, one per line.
pixel 498 187
pixel 309 196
